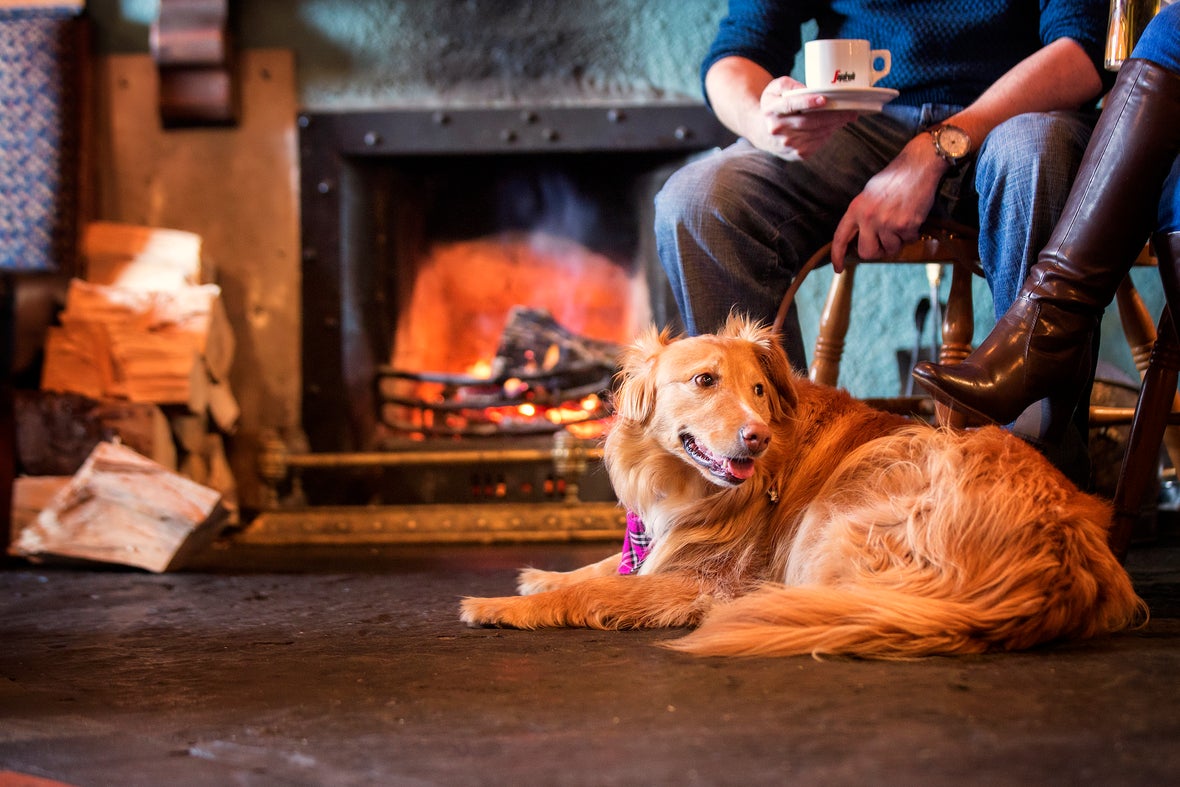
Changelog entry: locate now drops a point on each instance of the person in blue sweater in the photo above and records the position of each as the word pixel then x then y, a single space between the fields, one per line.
pixel 1014 83
pixel 1128 188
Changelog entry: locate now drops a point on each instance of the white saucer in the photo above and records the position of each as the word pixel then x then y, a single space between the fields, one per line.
pixel 863 99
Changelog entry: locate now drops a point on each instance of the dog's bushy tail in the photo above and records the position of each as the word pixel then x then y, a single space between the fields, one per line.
pixel 780 620
pixel 817 620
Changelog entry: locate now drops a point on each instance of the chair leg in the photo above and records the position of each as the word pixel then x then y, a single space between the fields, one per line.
pixel 958 328
pixel 958 324
pixel 1139 329
pixel 1147 432
pixel 833 328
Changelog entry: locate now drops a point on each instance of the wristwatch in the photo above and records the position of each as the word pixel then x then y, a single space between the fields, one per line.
pixel 952 143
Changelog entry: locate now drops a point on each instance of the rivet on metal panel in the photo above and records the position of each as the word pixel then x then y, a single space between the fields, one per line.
pixel 615 115
pixel 324 187
pixel 550 134
pixel 507 135
pixel 372 138
pixel 682 133
pixel 440 118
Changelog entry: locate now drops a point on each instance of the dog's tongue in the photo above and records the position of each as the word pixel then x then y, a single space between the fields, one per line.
pixel 740 468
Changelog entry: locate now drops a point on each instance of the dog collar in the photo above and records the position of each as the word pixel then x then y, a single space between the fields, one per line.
pixel 636 545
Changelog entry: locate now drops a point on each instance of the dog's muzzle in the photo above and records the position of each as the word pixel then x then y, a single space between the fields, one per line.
pixel 732 470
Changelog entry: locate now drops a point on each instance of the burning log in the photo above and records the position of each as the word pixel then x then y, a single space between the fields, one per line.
pixel 542 377
pixel 533 341
pixel 122 508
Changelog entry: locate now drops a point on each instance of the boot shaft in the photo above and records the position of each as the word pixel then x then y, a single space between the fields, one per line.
pixel 1113 205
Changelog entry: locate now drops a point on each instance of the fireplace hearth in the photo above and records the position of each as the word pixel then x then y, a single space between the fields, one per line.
pixel 423 231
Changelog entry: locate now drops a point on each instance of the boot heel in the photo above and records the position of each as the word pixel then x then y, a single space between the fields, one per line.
pixel 1056 416
pixel 952 415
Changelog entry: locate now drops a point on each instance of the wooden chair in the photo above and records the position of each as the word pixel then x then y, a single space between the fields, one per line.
pixel 940 243
pixel 1156 353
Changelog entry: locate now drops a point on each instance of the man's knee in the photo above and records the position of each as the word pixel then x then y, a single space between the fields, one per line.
pixel 1044 145
pixel 696 191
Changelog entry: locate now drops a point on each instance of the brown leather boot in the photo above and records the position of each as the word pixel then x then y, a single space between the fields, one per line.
pixel 1041 348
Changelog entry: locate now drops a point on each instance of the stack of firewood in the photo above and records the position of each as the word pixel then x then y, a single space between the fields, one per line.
pixel 141 356
pixel 142 327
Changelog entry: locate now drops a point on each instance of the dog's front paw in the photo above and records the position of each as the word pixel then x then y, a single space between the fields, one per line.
pixel 534 580
pixel 477 612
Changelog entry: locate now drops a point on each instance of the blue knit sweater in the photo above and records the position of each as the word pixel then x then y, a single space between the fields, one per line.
pixel 942 52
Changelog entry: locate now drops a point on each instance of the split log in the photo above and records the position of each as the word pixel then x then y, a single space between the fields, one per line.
pixel 122 508
pixel 55 433
pixel 164 347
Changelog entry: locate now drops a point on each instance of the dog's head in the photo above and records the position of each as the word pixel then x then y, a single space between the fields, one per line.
pixel 710 400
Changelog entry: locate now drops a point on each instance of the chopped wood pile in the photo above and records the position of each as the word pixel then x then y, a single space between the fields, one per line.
pixel 141 356
pixel 141 327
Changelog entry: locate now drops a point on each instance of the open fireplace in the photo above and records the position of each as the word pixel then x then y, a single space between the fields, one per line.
pixel 467 277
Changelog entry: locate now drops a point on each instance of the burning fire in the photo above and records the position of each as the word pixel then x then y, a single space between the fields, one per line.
pixel 537 410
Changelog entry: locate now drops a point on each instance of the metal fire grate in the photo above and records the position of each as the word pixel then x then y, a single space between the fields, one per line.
pixel 543 377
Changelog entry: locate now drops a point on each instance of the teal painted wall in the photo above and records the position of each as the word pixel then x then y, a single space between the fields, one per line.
pixel 363 54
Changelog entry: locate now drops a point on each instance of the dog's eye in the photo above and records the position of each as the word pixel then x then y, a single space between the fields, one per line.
pixel 759 390
pixel 704 380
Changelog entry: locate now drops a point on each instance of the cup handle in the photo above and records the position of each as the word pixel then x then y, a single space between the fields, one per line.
pixel 875 55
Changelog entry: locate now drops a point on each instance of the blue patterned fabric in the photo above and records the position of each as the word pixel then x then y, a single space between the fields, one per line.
pixel 39 146
pixel 943 53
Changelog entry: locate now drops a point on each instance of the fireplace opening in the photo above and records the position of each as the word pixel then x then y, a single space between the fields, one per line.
pixel 516 279
pixel 468 278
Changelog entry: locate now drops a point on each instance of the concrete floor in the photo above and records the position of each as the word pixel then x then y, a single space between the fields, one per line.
pixel 350 667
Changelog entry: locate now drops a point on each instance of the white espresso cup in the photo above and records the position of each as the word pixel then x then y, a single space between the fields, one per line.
pixel 834 63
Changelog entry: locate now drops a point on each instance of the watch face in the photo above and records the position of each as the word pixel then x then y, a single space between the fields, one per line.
pixel 954 141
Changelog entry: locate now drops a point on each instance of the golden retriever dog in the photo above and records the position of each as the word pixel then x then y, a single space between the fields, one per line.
pixel 789 518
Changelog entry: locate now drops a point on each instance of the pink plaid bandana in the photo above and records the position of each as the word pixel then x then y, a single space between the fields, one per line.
pixel 636 545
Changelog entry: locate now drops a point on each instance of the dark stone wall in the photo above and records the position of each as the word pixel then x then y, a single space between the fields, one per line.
pixel 377 53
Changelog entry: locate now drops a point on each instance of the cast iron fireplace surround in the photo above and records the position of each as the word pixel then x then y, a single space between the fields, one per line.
pixel 354 169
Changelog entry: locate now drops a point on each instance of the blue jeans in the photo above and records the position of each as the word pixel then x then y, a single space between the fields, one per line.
pixel 733 228
pixel 1160 43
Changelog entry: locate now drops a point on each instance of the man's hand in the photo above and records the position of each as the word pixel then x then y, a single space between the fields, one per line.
pixel 890 210
pixel 794 129
pixel 751 103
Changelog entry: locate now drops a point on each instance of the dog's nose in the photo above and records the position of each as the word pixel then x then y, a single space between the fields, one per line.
pixel 755 438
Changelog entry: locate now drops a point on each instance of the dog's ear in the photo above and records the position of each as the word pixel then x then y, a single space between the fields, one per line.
pixel 741 326
pixel 770 354
pixel 635 397
pixel 772 357
pixel 778 370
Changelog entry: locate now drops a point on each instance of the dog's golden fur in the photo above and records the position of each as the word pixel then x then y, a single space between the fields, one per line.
pixel 810 523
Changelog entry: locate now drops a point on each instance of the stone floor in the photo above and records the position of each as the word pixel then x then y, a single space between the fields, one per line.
pixel 349 667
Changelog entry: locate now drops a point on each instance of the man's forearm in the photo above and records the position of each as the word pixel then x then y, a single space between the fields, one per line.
pixel 1060 76
pixel 734 86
